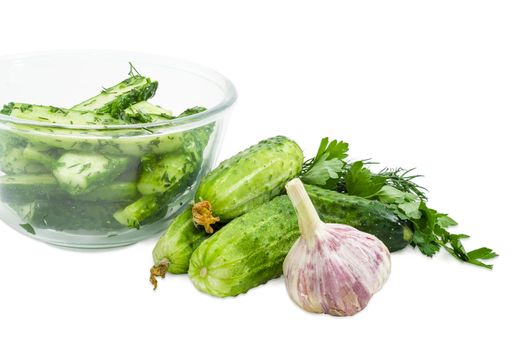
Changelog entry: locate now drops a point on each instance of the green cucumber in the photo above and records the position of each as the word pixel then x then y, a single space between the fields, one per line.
pixel 173 250
pixel 147 111
pixel 115 100
pixel 250 250
pixel 44 155
pixel 247 180
pixel 81 172
pixel 246 252
pixel 133 142
pixel 12 161
pixel 366 215
pixel 191 111
pixel 143 211
pixel 69 215
pixel 159 173
pixel 26 188
pixel 113 192
pixel 55 115
pixel 148 108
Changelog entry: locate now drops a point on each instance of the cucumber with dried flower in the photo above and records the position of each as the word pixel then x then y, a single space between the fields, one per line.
pixel 173 250
pixel 246 252
pixel 246 180
pixel 250 250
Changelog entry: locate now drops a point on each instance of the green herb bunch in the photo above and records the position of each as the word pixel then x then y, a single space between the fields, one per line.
pixel 395 187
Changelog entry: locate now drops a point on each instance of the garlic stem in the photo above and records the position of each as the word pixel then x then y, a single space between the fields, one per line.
pixel 307 216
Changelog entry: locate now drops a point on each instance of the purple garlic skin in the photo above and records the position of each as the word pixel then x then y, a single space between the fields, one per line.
pixel 332 268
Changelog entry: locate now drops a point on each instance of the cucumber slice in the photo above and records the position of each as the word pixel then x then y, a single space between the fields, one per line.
pixel 43 155
pixel 11 156
pixel 116 142
pixel 135 142
pixel 69 215
pixel 13 162
pixel 81 172
pixel 168 171
pixel 191 111
pixel 143 211
pixel 26 188
pixel 54 115
pixel 116 99
pixel 146 112
pixel 144 107
pixel 115 192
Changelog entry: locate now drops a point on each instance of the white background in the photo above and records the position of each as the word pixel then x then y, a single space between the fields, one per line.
pixel 444 86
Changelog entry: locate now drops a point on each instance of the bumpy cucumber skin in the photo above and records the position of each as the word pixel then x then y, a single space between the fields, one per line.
pixel 250 249
pixel 365 215
pixel 251 178
pixel 247 252
pixel 178 243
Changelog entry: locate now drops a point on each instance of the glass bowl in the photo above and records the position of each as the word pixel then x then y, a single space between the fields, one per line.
pixel 94 186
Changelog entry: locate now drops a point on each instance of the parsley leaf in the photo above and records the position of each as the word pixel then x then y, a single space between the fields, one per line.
pixel 430 234
pixel 326 168
pixel 360 181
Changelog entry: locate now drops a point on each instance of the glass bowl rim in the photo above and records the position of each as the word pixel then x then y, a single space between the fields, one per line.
pixel 229 98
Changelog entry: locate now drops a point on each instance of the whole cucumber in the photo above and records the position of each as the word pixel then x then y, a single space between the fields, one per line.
pixel 246 180
pixel 246 252
pixel 366 215
pixel 173 250
pixel 250 249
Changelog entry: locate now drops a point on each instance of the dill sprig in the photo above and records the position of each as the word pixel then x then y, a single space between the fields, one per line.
pixel 403 180
pixel 133 72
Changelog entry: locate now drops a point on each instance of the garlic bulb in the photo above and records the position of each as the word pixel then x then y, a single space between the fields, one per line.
pixel 332 268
